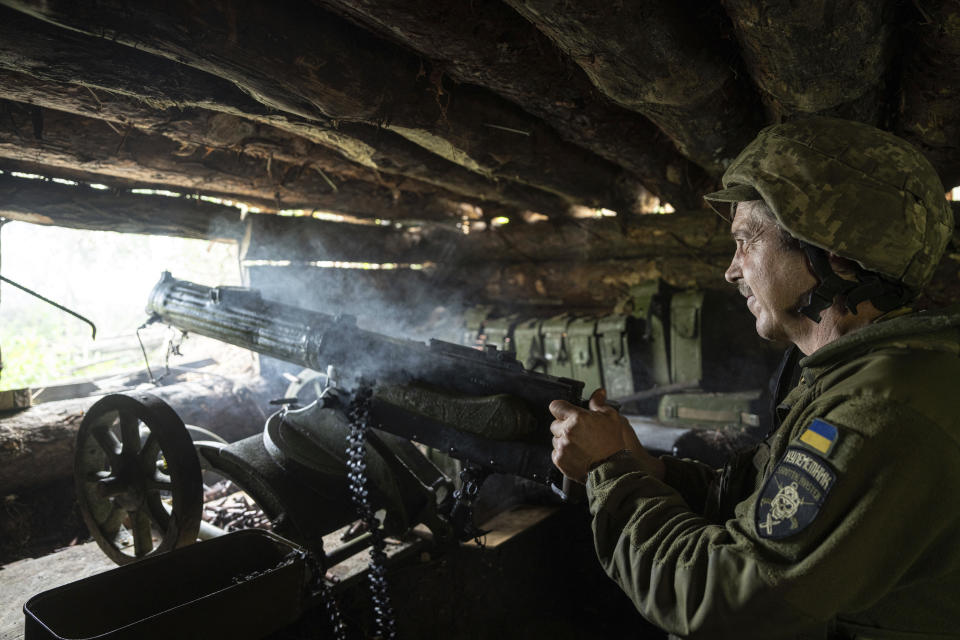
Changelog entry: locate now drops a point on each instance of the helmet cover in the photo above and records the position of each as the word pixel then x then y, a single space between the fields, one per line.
pixel 851 189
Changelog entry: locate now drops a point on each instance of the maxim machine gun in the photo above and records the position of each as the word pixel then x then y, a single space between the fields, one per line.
pixel 354 444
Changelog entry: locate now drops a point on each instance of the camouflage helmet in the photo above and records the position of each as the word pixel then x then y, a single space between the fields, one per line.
pixel 850 189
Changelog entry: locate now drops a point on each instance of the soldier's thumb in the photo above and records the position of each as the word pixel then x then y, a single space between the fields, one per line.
pixel 598 400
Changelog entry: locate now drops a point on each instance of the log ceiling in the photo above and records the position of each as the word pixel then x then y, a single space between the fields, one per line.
pixel 431 113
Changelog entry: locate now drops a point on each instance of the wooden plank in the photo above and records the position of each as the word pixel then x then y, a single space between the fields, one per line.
pixel 508 524
pixel 26 578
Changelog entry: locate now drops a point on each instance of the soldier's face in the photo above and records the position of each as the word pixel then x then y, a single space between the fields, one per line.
pixel 772 277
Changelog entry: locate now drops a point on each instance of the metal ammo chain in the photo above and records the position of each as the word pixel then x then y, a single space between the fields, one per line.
pixel 329 602
pixel 356 451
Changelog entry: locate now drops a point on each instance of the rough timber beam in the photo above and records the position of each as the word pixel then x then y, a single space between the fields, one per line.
pixel 81 207
pixel 191 127
pixel 664 59
pixel 56 139
pixel 115 75
pixel 339 72
pixel 459 34
pixel 816 57
pixel 596 285
pixel 697 235
pixel 930 101
pixel 301 240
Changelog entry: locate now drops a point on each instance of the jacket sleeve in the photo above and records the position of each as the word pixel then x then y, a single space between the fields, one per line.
pixel 691 479
pixel 698 579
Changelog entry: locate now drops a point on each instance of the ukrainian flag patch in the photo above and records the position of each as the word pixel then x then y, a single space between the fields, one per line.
pixel 820 436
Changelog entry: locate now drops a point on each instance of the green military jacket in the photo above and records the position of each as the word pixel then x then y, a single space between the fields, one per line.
pixel 851 527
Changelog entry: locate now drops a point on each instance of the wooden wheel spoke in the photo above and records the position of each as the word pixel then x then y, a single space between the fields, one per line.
pixel 129 433
pixel 110 522
pixel 108 442
pixel 148 453
pixel 158 509
pixel 142 532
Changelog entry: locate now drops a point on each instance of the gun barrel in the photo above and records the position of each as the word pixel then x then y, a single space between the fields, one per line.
pixel 242 317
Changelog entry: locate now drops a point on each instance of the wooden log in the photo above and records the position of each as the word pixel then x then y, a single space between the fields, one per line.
pixel 80 207
pixel 930 101
pixel 696 235
pixel 37 444
pixel 111 72
pixel 340 72
pixel 458 34
pixel 815 57
pixel 196 128
pixel 597 285
pixel 201 129
pixel 664 59
pixel 70 142
pixel 192 127
pixel 271 238
pixel 693 234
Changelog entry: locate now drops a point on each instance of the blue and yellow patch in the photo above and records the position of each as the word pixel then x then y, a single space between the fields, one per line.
pixel 820 436
pixel 793 494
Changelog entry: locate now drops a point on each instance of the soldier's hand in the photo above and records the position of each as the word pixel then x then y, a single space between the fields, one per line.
pixel 582 437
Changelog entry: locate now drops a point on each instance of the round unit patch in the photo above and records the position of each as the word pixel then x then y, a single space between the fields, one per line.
pixel 793 494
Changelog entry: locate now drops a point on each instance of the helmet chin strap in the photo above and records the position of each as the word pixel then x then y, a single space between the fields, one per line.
pixel 884 294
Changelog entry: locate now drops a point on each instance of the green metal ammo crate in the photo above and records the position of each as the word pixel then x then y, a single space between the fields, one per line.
pixel 710 410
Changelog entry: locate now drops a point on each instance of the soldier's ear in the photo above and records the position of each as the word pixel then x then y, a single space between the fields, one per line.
pixel 844 267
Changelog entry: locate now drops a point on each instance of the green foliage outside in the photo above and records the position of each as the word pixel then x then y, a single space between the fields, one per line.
pixel 104 276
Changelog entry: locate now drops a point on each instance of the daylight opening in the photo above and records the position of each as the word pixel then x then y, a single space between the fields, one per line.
pixel 105 277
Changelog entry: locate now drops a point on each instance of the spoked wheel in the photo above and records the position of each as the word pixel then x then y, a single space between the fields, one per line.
pixel 137 477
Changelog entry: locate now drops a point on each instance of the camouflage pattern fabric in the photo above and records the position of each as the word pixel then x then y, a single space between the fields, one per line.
pixel 844 533
pixel 854 190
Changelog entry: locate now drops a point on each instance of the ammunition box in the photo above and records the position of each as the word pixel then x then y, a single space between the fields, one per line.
pixel 528 342
pixel 584 351
pixel 618 338
pixel 645 334
pixel 686 353
pixel 499 332
pixel 556 351
pixel 710 410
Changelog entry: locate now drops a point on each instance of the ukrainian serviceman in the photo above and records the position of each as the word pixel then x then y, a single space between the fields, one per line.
pixel 845 522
